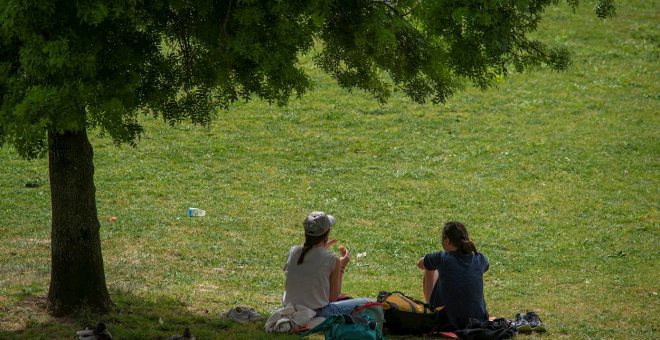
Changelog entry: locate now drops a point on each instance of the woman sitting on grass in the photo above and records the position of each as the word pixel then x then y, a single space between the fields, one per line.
pixel 453 278
pixel 314 274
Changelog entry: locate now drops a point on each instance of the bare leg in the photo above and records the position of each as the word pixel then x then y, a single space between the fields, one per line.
pixel 430 278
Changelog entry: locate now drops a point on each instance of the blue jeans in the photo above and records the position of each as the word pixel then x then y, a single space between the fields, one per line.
pixel 341 307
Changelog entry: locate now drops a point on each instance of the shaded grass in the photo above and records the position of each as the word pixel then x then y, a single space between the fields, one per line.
pixel 555 174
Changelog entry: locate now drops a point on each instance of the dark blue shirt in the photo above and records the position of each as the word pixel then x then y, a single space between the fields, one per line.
pixel 460 285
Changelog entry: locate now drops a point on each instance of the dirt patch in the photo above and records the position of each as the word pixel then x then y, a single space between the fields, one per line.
pixel 27 312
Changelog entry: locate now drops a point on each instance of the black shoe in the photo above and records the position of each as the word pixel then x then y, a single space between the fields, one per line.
pixel 521 324
pixel 535 322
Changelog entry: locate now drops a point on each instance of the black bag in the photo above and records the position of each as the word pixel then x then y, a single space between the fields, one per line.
pixel 405 315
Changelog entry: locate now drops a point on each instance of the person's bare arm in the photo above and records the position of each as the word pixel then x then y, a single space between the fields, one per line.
pixel 420 263
pixel 337 275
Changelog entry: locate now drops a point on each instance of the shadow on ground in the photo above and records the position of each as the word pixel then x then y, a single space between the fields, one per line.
pixel 133 317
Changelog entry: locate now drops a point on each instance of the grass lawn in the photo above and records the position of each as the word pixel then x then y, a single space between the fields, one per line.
pixel 556 175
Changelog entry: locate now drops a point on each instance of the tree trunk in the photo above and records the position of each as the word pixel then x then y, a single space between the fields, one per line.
pixel 77 278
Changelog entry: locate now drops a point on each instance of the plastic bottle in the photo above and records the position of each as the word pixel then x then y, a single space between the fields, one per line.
pixel 192 212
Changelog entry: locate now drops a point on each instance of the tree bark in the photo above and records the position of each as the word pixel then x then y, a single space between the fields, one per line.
pixel 77 278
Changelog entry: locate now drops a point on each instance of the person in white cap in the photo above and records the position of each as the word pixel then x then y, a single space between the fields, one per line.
pixel 314 274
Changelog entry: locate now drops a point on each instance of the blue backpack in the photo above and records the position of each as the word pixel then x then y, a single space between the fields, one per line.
pixel 365 322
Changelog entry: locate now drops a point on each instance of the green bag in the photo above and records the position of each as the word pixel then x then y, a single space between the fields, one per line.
pixel 366 322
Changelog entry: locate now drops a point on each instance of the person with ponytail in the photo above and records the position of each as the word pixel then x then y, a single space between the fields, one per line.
pixel 453 278
pixel 314 274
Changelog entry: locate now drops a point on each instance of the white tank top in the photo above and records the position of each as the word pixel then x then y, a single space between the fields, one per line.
pixel 308 284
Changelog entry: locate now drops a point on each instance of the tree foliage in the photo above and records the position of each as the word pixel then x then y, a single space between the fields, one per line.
pixel 69 65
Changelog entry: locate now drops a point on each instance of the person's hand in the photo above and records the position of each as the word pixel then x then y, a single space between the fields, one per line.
pixel 330 243
pixel 345 257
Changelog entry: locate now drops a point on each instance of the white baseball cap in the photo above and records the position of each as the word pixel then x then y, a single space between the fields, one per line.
pixel 318 223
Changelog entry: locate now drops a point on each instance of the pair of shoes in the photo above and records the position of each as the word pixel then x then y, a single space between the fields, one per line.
pixel 521 324
pixel 528 323
pixel 185 336
pixel 98 333
pixel 535 322
pixel 242 314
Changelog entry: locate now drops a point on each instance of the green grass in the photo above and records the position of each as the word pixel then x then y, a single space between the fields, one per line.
pixel 555 174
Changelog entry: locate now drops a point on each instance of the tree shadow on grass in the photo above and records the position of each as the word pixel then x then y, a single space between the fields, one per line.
pixel 133 317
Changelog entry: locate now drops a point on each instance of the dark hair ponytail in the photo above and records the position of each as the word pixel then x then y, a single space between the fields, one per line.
pixel 310 242
pixel 458 236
